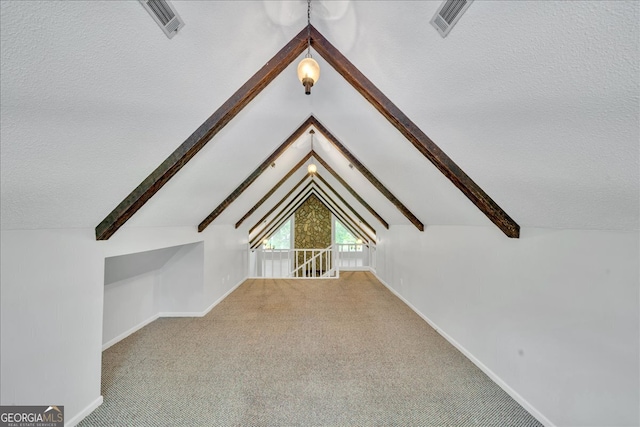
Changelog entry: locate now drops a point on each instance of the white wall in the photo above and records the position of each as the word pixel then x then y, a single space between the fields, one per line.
pixel 226 260
pixel 554 314
pixel 51 319
pixel 129 304
pixel 169 281
pixel 117 268
pixel 51 302
pixel 130 240
pixel 131 291
pixel 225 253
pixel 181 290
pixel 196 276
pixel 143 286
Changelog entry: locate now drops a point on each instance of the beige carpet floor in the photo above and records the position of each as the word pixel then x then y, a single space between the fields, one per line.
pixel 342 352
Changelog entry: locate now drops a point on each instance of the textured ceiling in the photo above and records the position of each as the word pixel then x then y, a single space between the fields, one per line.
pixel 536 101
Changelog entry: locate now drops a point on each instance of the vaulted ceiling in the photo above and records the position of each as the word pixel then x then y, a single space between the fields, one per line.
pixel 536 101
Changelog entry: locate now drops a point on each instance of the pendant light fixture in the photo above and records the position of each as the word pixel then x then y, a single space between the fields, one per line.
pixel 308 68
pixel 312 168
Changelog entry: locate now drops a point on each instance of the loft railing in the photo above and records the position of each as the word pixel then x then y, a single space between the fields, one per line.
pixel 299 263
pixel 311 263
pixel 356 256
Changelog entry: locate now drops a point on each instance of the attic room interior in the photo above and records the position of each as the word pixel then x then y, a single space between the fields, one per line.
pixel 444 231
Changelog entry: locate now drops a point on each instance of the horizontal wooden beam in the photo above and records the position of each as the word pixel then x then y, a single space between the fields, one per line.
pixel 274 189
pixel 194 143
pixel 254 175
pixel 410 130
pixel 364 171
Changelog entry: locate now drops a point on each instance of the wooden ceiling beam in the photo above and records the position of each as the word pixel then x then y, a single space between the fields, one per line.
pixel 289 208
pixel 254 175
pixel 286 196
pixel 248 91
pixel 357 231
pixel 410 130
pixel 273 190
pixel 323 194
pixel 353 192
pixel 194 143
pixel 335 175
pixel 295 203
pixel 362 220
pixel 295 187
pixel 367 174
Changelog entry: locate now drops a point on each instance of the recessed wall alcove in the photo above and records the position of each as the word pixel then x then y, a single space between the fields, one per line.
pixel 142 286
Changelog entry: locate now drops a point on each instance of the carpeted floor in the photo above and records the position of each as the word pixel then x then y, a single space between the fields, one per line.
pixel 326 352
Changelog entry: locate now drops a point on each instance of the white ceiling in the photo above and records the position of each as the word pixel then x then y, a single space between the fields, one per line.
pixel 537 101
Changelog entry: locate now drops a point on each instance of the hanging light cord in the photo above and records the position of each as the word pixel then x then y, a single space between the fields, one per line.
pixel 308 55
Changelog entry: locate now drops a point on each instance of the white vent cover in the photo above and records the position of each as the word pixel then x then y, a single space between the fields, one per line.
pixel 448 14
pixel 165 16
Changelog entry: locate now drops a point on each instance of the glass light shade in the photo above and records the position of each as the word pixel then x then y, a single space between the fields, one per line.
pixel 312 168
pixel 308 73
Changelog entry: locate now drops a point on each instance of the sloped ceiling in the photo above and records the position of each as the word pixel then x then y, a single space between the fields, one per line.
pixel 283 211
pixel 536 101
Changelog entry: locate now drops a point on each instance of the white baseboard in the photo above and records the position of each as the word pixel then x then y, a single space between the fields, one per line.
pixel 170 314
pixel 219 300
pixel 355 269
pixel 86 411
pixel 180 314
pixel 207 310
pixel 129 332
pixel 495 378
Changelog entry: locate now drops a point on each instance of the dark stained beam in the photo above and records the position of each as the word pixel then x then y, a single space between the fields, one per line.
pixel 362 220
pixel 364 171
pixel 293 202
pixel 194 143
pixel 329 202
pixel 411 131
pixel 286 196
pixel 297 201
pixel 295 187
pixel 289 208
pixel 247 92
pixel 353 192
pixel 254 175
pixel 293 170
pixel 357 231
pixel 273 190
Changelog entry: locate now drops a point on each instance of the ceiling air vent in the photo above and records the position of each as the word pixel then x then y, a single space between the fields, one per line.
pixel 165 16
pixel 448 15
